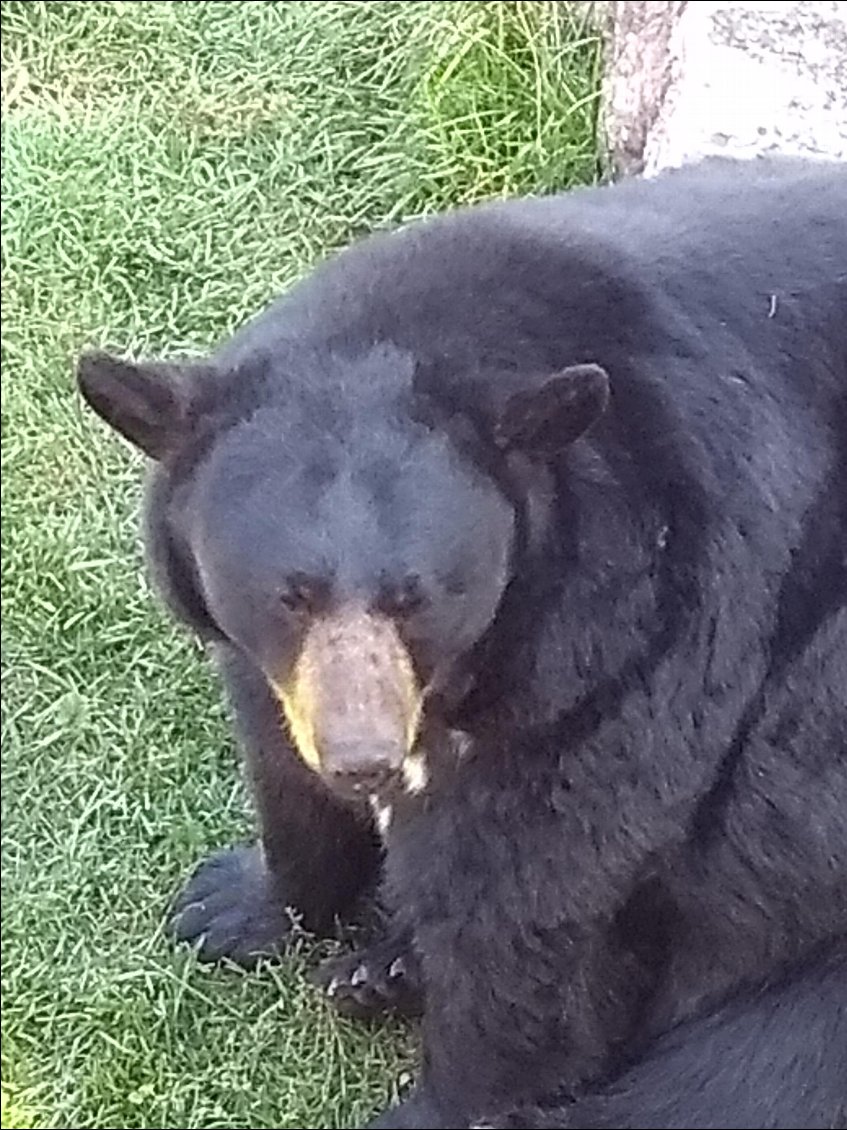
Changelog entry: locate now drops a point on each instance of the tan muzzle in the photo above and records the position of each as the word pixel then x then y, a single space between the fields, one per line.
pixel 353 703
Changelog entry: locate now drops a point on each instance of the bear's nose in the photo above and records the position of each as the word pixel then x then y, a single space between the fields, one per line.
pixel 356 769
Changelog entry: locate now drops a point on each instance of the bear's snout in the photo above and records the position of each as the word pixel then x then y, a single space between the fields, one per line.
pixel 353 702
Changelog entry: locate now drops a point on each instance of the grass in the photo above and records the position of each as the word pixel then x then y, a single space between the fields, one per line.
pixel 167 167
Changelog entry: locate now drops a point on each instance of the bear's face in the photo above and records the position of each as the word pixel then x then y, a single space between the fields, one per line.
pixel 353 573
pixel 352 547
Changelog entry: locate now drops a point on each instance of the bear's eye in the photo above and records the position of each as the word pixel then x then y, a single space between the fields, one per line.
pixel 302 595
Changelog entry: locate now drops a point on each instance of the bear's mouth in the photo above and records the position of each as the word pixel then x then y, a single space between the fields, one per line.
pixel 353 705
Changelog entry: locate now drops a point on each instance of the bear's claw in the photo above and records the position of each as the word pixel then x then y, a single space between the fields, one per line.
pixel 374 981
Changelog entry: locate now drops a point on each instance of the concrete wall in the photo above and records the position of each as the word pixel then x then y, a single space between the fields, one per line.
pixel 686 79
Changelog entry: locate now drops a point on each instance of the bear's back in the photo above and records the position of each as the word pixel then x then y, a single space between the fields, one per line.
pixel 716 295
pixel 550 280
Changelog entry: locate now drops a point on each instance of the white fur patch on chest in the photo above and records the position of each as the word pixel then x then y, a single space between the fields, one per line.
pixel 415 773
pixel 382 814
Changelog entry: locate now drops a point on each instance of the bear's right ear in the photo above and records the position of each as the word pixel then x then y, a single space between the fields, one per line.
pixel 148 403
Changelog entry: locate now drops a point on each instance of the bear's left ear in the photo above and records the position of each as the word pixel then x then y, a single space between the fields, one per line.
pixel 544 420
pixel 147 402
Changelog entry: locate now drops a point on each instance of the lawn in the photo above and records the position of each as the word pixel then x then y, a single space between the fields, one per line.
pixel 166 168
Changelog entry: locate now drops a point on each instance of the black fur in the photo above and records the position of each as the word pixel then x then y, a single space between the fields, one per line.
pixel 772 1057
pixel 638 627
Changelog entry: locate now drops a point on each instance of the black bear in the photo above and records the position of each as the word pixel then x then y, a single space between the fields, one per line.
pixel 521 535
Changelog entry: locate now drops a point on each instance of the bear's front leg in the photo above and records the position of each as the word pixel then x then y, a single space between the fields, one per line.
pixel 536 1009
pixel 524 995
pixel 316 855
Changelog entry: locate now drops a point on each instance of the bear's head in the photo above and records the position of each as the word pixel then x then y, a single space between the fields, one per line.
pixel 343 530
